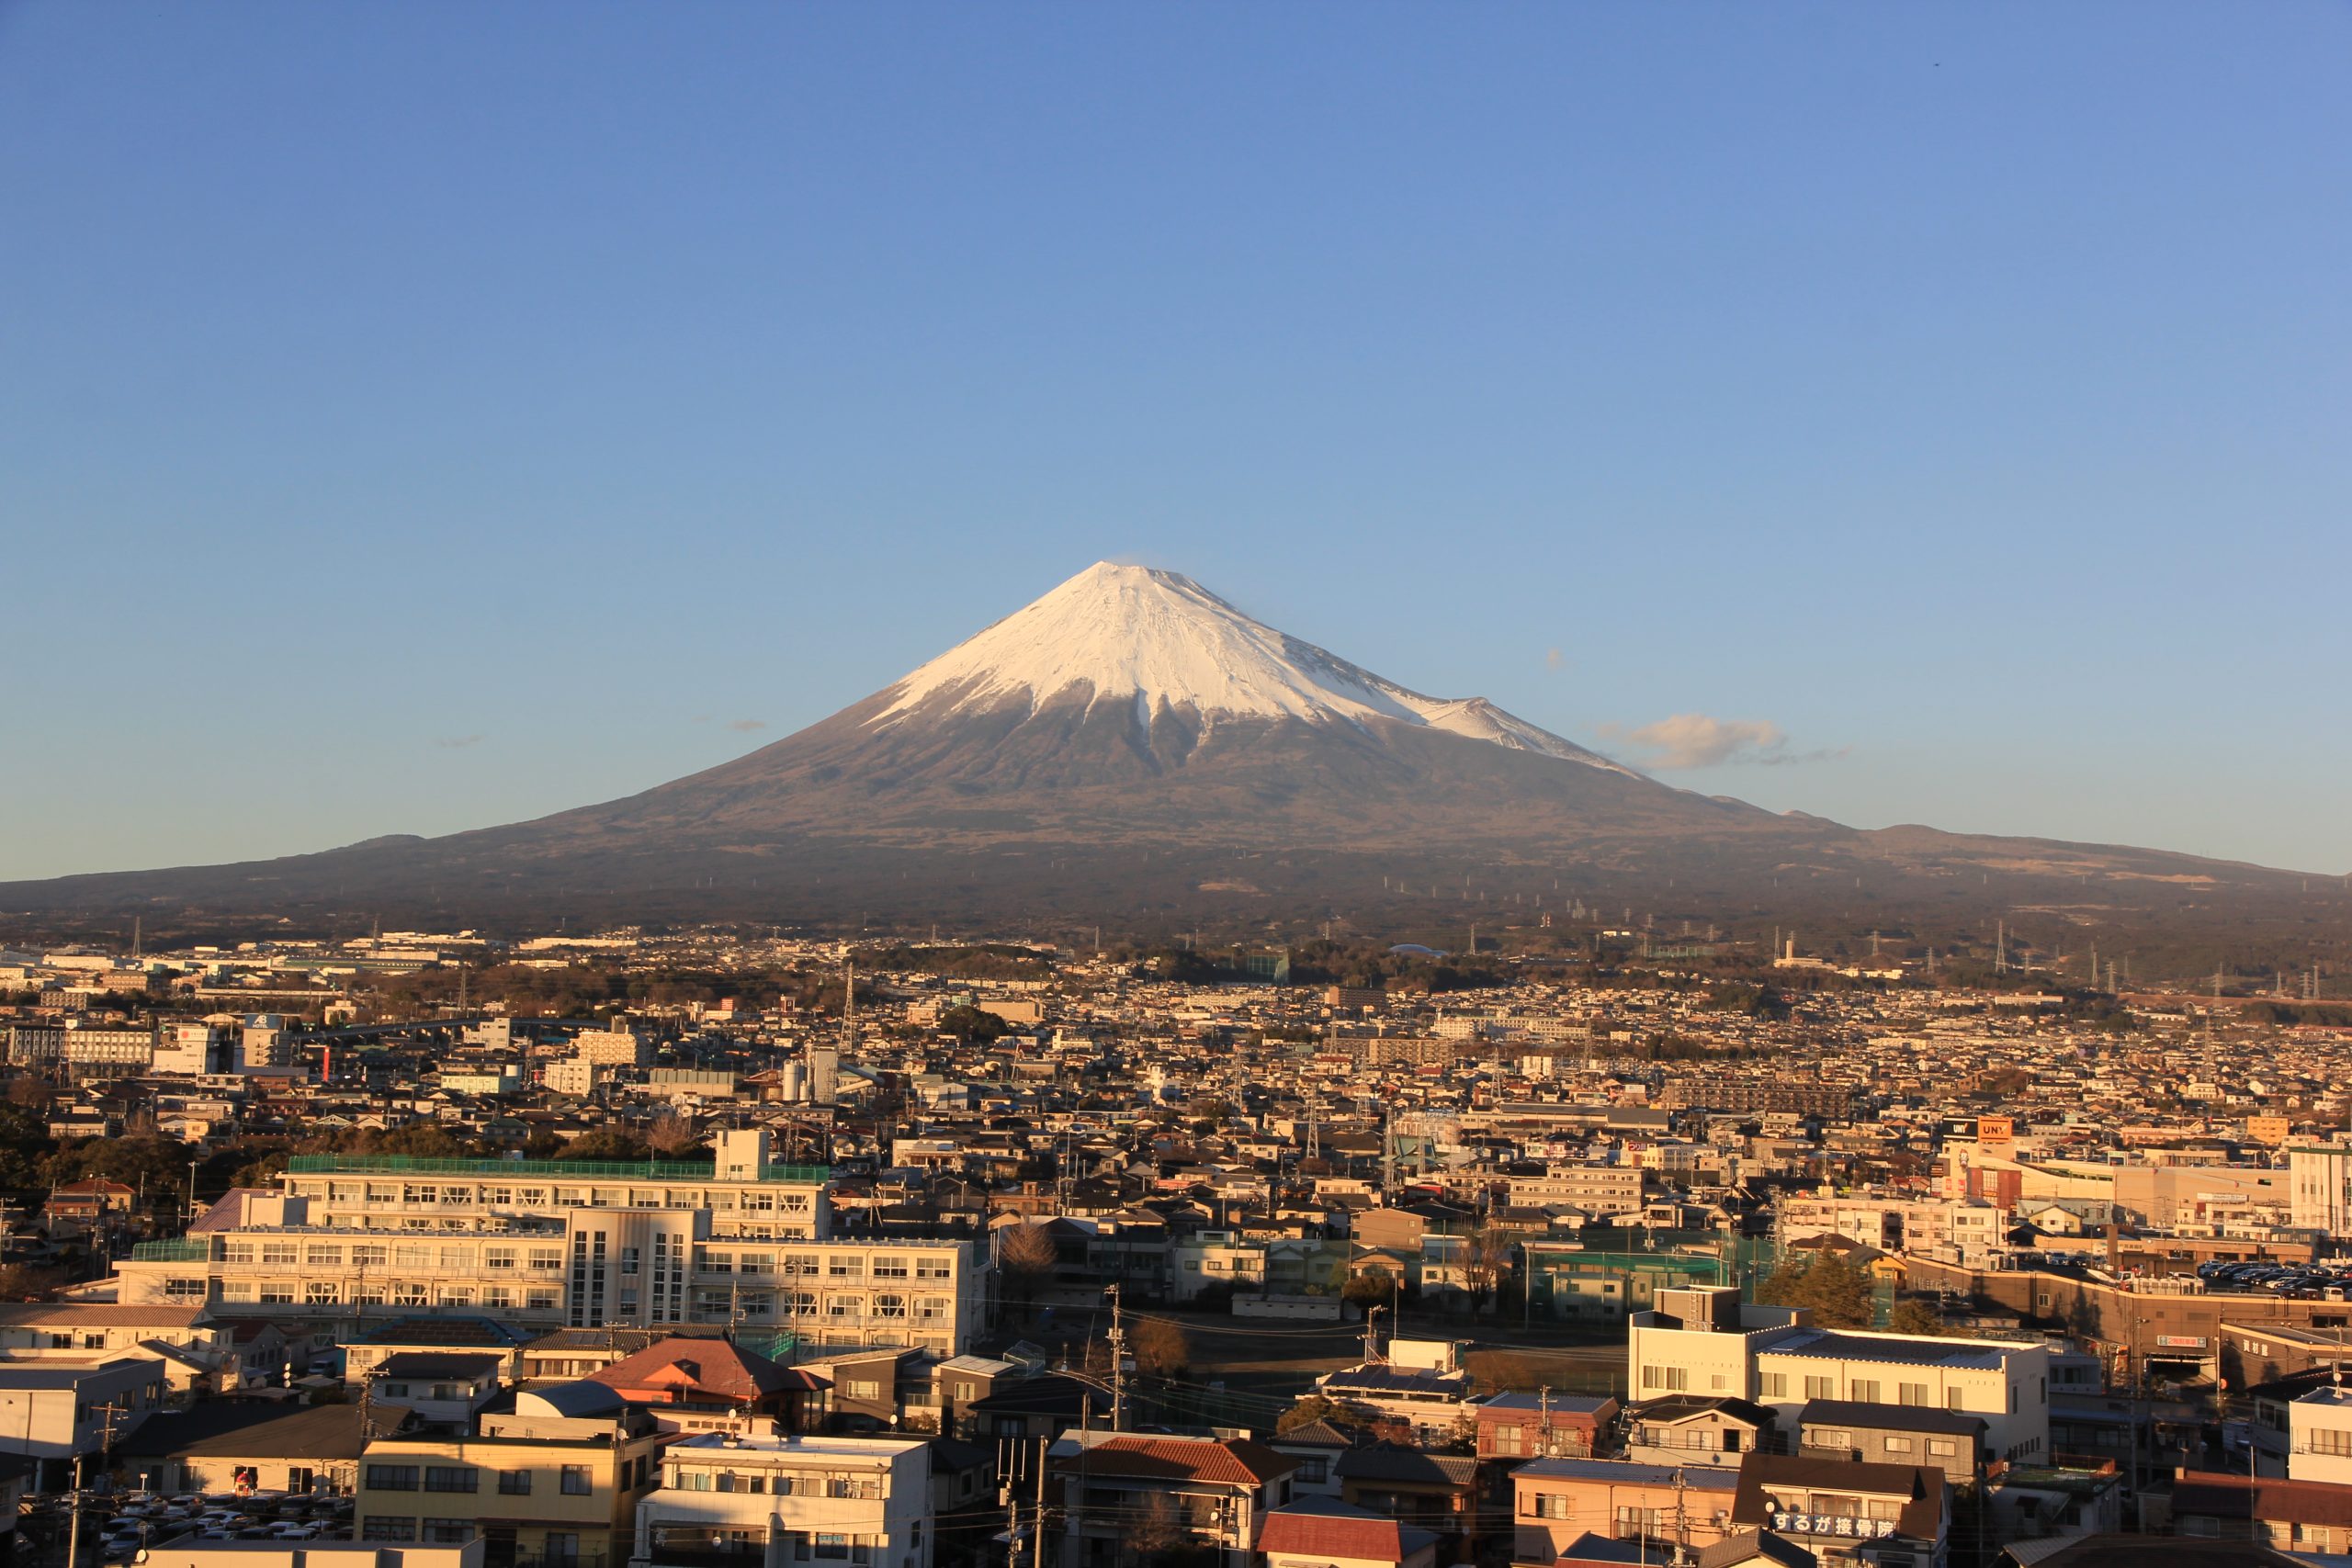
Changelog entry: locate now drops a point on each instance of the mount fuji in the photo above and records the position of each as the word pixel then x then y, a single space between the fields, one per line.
pixel 1132 748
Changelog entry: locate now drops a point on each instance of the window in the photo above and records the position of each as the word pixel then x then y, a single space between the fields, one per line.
pixel 1775 1386
pixel 889 1306
pixel 576 1480
pixel 383 1527
pixel 450 1533
pixel 1821 1388
pixel 1672 1379
pixel 1942 1447
pixel 1549 1506
pixel 278 1252
pixel 513 1483
pixel 452 1478
pixel 1898 1445
pixel 1911 1394
pixel 498 1257
pixel 1863 1390
pixel 391 1477
pixel 2337 1442
pixel 889 1268
pixel 1830 1437
pixel 1952 1401
pixel 1506 1442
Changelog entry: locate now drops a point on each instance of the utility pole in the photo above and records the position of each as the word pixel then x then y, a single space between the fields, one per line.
pixel 1038 1524
pixel 1371 1333
pixel 1118 1362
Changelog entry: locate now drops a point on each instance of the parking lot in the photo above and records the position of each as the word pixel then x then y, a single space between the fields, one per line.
pixel 115 1528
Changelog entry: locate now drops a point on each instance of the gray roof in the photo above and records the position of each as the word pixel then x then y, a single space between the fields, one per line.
pixel 1833 1344
pixel 1699 1477
pixel 1890 1418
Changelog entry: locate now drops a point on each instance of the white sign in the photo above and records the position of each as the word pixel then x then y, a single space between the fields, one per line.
pixel 1832 1524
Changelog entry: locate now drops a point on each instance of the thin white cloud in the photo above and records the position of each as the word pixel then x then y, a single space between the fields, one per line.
pixel 746 725
pixel 456 742
pixel 1698 740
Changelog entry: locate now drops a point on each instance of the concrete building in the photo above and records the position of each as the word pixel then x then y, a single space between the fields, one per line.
pixel 1704 1341
pixel 2318 1437
pixel 775 1502
pixel 549 1243
pixel 555 1483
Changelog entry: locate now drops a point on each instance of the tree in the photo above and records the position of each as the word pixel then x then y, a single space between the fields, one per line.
pixel 1316 1407
pixel 1158 1529
pixel 670 1135
pixel 1912 1315
pixel 971 1024
pixel 1485 1258
pixel 1160 1347
pixel 1025 1257
pixel 1837 1291
pixel 1374 1286
pixel 608 1144
pixel 23 1282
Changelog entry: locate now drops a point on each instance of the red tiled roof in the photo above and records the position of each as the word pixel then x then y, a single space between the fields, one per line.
pixel 1333 1535
pixel 712 1367
pixel 1236 1462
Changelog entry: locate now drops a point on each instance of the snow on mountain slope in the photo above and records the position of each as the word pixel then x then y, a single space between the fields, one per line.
pixel 1129 634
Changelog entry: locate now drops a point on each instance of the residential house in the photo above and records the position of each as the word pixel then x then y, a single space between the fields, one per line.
pixel 1111 1487
pixel 1846 1511
pixel 1894 1433
pixel 1541 1425
pixel 1711 1429
pixel 1321 1532
pixel 1555 1501
pixel 554 1483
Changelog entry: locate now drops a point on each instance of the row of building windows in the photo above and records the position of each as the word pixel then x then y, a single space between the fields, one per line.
pixel 571 1480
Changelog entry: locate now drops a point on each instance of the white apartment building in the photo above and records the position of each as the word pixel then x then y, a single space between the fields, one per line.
pixel 616 1047
pixel 1595 1188
pixel 2318 1437
pixel 2320 1188
pixel 570 1244
pixel 96 1051
pixel 782 1502
pixel 192 1049
pixel 52 1410
pixel 1704 1341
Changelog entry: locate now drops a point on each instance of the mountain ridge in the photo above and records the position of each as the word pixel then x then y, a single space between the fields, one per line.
pixel 1122 741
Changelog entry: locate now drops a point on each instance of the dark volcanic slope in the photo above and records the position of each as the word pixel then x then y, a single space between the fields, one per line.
pixel 1005 814
pixel 1132 749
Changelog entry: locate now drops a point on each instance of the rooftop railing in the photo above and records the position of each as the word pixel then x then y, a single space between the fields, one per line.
pixel 631 1169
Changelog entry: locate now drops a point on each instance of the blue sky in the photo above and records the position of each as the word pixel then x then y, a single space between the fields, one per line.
pixel 414 417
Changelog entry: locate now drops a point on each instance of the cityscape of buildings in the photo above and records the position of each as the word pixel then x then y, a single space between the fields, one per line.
pixel 928 1255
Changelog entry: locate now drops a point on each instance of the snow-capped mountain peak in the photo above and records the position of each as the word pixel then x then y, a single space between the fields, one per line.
pixel 1161 642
